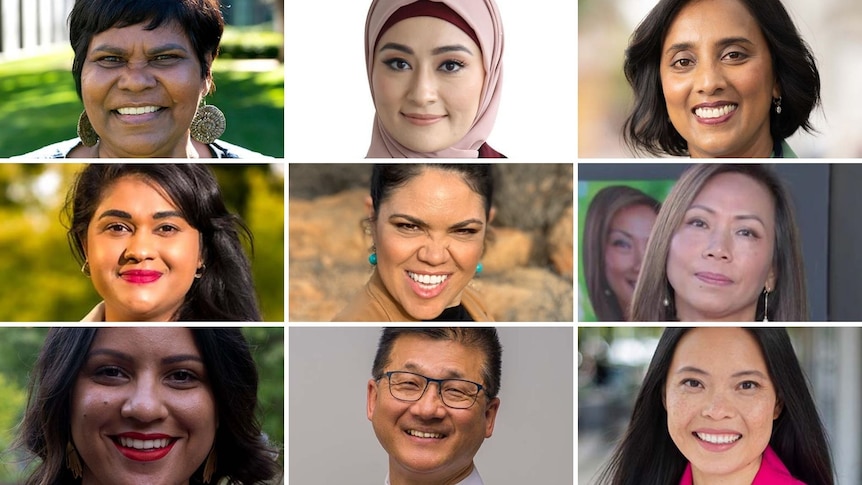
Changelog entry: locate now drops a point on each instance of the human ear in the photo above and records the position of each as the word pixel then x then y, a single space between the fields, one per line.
pixel 491 416
pixel 770 280
pixel 491 214
pixel 779 406
pixel 371 398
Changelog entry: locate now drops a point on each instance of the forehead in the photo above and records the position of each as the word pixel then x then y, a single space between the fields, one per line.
pixel 638 218
pixel 705 21
pixel 735 192
pixel 436 358
pixel 137 191
pixel 169 32
pixel 720 351
pixel 145 342
pixel 426 31
pixel 441 192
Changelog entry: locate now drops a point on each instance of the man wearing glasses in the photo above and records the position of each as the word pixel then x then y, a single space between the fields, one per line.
pixel 432 401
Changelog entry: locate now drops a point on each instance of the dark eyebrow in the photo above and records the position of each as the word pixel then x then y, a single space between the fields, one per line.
pixel 740 217
pixel 624 233
pixel 126 215
pixel 109 49
pixel 724 42
pixel 173 359
pixel 451 48
pixel 742 373
pixel 421 223
pixel 398 47
pixel 165 48
pixel 448 373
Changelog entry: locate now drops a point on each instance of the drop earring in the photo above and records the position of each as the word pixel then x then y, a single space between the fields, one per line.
pixel 479 268
pixel 372 259
pixel 765 304
pixel 208 124
pixel 86 133
pixel 777 103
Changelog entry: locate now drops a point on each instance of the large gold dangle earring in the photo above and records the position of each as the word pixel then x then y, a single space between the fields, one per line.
pixel 86 268
pixel 86 133
pixel 73 461
pixel 208 124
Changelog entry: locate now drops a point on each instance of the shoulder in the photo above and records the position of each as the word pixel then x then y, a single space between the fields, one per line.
pixel 56 150
pixel 223 149
pixel 97 314
pixel 475 306
pixel 373 304
pixel 485 151
pixel 773 471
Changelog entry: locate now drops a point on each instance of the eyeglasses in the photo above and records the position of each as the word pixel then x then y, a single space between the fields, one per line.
pixel 410 387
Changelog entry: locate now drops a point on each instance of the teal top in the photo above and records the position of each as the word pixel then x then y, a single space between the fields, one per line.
pixel 784 152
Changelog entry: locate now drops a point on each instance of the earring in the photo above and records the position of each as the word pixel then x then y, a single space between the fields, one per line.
pixel 777 103
pixel 665 302
pixel 208 123
pixel 372 259
pixel 200 271
pixel 765 305
pixel 479 268
pixel 86 133
pixel 86 268
pixel 73 461
pixel 210 466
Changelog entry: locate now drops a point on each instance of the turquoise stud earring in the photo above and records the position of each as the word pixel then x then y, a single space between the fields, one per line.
pixel 372 259
pixel 479 268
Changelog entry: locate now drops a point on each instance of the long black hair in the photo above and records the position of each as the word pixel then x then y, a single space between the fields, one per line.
pixel 226 290
pixel 648 456
pixel 244 456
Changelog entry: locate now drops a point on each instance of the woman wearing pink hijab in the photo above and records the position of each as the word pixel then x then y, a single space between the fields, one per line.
pixel 435 72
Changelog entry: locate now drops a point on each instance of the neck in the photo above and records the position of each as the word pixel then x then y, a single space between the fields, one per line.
pixel 189 149
pixel 685 313
pixel 759 148
pixel 743 476
pixel 400 476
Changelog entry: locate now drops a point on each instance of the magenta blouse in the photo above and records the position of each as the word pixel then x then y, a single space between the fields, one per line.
pixel 772 472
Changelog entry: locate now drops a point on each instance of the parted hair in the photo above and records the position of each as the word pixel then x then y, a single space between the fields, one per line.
pixel 604 206
pixel 788 300
pixel 647 455
pixel 648 127
pixel 483 339
pixel 226 289
pixel 243 454
pixel 201 20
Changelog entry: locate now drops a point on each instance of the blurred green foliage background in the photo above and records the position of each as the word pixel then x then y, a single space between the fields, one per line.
pixel 19 348
pixel 41 281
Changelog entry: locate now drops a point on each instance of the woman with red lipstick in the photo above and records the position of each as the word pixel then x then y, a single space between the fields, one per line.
pixel 435 70
pixel 616 231
pixel 145 405
pixel 143 71
pixel 429 223
pixel 725 247
pixel 723 405
pixel 159 244
pixel 719 78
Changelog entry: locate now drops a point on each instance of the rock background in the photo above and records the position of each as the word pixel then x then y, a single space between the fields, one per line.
pixel 528 267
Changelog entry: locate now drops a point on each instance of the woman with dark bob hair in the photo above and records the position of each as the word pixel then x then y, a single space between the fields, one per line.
pixel 143 71
pixel 159 244
pixel 719 78
pixel 429 224
pixel 725 246
pixel 145 405
pixel 726 404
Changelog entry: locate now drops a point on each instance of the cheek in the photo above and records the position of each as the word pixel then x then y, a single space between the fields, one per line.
pixel 385 89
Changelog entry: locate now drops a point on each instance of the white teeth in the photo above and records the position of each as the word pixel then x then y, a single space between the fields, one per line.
pixel 427 279
pixel 137 111
pixel 420 434
pixel 719 439
pixel 714 112
pixel 143 444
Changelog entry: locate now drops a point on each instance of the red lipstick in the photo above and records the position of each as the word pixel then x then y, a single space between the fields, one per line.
pixel 140 276
pixel 144 447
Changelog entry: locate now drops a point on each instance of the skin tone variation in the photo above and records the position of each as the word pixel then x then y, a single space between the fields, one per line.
pixel 141 89
pixel 427 82
pixel 718 80
pixel 429 235
pixel 443 454
pixel 627 239
pixel 721 256
pixel 142 252
pixel 721 404
pixel 142 409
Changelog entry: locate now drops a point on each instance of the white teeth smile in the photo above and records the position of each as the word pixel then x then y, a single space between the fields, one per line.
pixel 427 279
pixel 714 112
pixel 144 444
pixel 138 111
pixel 420 434
pixel 719 439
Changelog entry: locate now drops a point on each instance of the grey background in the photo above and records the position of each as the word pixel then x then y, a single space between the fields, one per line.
pixel 331 440
pixel 809 185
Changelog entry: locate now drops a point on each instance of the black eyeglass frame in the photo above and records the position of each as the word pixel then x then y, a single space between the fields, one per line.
pixel 429 380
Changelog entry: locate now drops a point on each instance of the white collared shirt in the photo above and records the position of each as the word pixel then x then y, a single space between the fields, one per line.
pixel 472 479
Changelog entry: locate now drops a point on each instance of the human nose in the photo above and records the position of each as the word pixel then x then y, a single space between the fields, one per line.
pixel 718 247
pixel 423 88
pixel 433 252
pixel 718 406
pixel 136 76
pixel 709 78
pixel 140 247
pixel 144 403
pixel 430 405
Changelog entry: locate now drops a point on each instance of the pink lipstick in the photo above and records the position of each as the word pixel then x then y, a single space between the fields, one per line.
pixel 140 276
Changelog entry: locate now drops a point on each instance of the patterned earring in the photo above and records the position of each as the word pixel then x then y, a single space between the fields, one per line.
pixel 86 269
pixel 479 268
pixel 86 133
pixel 73 461
pixel 765 304
pixel 210 466
pixel 777 103
pixel 208 124
pixel 372 259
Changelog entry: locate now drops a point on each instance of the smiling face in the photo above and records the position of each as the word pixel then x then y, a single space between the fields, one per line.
pixel 718 81
pixel 721 403
pixel 143 253
pixel 142 407
pixel 427 81
pixel 721 256
pixel 628 234
pixel 457 434
pixel 141 89
pixel 429 236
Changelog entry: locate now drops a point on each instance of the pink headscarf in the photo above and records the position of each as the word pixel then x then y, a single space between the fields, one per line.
pixel 484 18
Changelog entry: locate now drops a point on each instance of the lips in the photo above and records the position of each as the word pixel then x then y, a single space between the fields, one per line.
pixel 137 110
pixel 714 113
pixel 716 279
pixel 422 119
pixel 144 447
pixel 425 434
pixel 140 276
pixel 427 285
